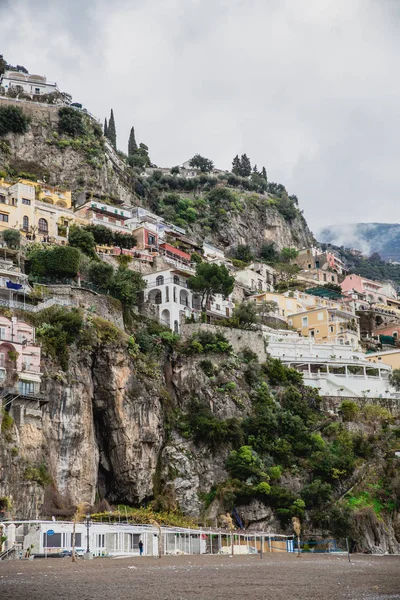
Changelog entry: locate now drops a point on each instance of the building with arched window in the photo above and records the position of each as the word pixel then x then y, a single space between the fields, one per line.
pixel 41 213
pixel 168 292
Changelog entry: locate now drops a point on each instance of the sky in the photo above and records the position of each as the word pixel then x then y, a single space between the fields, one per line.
pixel 307 88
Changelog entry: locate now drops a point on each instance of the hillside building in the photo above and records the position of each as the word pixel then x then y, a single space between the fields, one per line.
pixel 327 325
pixel 39 212
pixel 390 358
pixel 34 85
pixel 256 278
pixel 334 369
pixel 168 292
pixel 374 291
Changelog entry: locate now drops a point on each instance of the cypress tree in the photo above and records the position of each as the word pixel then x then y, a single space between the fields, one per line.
pixel 132 145
pixel 111 131
pixel 105 128
pixel 245 166
pixel 255 170
pixel 264 173
pixel 236 165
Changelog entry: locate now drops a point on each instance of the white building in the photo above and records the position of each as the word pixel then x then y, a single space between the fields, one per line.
pixel 168 291
pixel 257 277
pixel 35 85
pixel 44 538
pixel 335 370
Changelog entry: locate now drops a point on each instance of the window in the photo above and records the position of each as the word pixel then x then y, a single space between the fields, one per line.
pixel 4 217
pixel 160 280
pixel 333 278
pixel 312 332
pixel 26 387
pixel 176 327
pixel 217 306
pixel 3 333
pixel 52 541
pixel 151 240
pixel 320 316
pixel 2 199
pixel 2 359
pixel 176 279
pixel 167 294
pixel 25 223
pixel 43 226
pixel 26 201
pixel 304 322
pixel 174 294
pixel 37 90
pixel 331 328
pixel 100 540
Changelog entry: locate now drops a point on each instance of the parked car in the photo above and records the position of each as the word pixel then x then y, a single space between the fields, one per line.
pixel 65 553
pixel 80 551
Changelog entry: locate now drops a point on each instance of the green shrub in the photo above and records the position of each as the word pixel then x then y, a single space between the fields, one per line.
pixel 126 285
pixel 200 424
pixel 101 274
pixel 38 474
pixel 349 410
pixel 12 238
pixel 207 366
pixel 56 262
pixel 12 120
pixel 245 463
pixel 82 239
pixel 70 122
pixel 316 493
pixel 205 341
pixel 7 421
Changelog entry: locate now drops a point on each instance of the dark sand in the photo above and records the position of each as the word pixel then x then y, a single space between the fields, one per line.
pixel 275 577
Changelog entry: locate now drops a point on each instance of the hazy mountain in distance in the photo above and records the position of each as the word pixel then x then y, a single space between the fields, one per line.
pixel 383 238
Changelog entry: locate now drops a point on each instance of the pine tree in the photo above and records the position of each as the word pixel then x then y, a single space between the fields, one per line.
pixel 236 165
pixel 105 128
pixel 245 166
pixel 264 173
pixel 111 131
pixel 132 145
pixel 255 170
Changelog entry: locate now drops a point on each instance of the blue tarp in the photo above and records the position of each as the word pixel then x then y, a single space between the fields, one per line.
pixel 13 286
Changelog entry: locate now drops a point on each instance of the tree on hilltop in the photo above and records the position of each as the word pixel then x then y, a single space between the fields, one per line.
pixel 200 162
pixel 236 165
pixel 264 173
pixel 132 145
pixel 111 131
pixel 105 128
pixel 245 166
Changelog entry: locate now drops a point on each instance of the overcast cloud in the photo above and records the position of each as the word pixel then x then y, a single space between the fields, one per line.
pixel 308 88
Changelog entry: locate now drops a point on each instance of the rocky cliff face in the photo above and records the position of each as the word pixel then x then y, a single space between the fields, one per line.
pixel 113 429
pixel 88 165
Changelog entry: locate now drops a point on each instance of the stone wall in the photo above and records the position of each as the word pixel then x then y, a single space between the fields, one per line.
pixel 105 306
pixel 239 338
pixel 332 404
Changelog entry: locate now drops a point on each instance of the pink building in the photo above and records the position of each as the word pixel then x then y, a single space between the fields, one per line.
pixel 373 291
pixel 19 360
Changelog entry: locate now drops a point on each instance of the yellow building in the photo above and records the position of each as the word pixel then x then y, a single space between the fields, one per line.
pixel 296 302
pixel 327 325
pixel 39 212
pixel 49 194
pixel 387 357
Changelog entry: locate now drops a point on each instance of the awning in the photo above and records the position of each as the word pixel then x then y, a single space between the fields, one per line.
pixel 30 377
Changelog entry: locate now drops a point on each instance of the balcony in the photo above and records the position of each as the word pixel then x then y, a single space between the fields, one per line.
pixel 15 339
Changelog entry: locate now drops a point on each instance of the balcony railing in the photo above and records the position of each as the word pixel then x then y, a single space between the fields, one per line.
pixel 168 281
